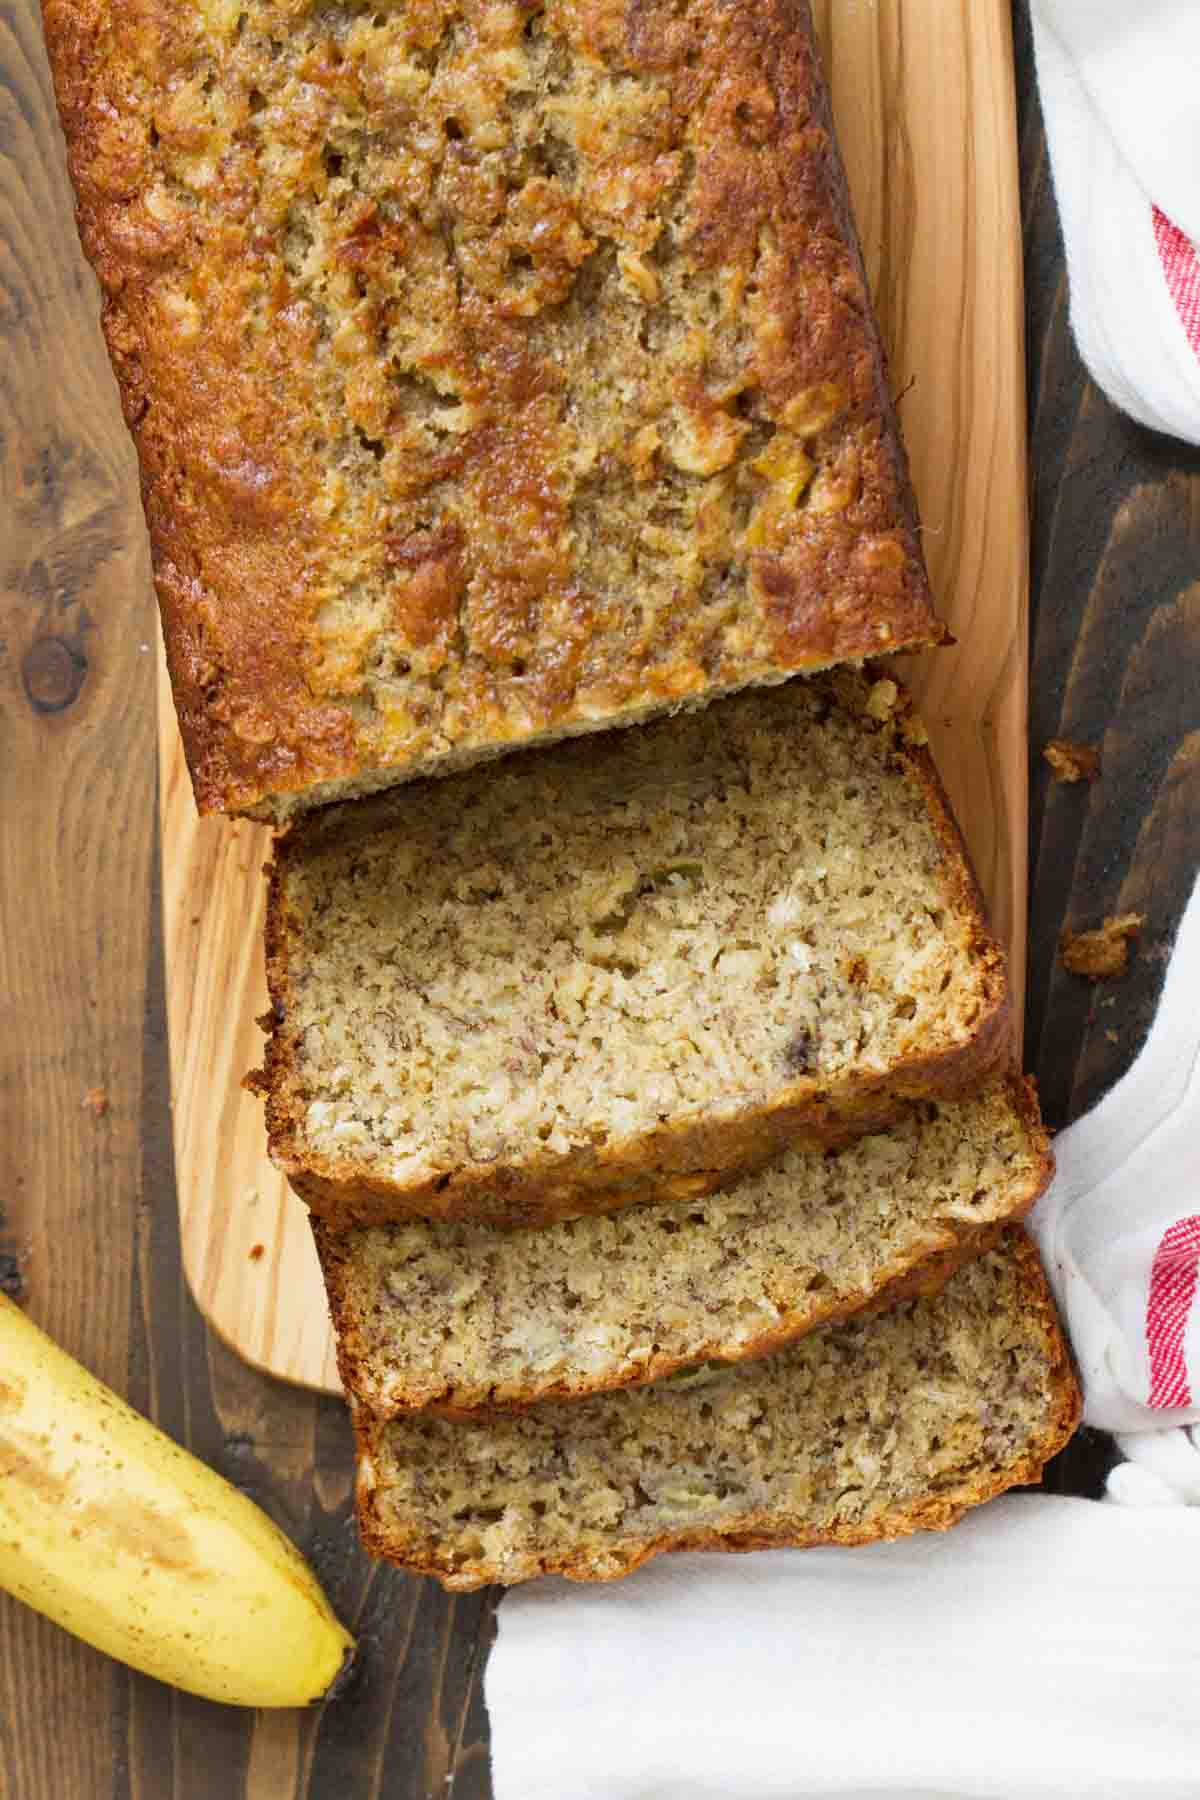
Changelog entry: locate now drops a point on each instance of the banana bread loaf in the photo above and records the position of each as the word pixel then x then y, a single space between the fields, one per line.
pixel 863 1431
pixel 498 369
pixel 627 967
pixel 468 1317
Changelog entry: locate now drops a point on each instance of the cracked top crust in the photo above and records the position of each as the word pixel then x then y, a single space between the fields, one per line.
pixel 497 371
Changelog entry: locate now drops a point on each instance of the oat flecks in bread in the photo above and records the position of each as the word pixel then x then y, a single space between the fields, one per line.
pixel 864 1431
pixel 627 967
pixel 465 1317
pixel 497 371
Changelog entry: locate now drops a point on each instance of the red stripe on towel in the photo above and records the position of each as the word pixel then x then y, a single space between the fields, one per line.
pixel 1181 266
pixel 1173 1279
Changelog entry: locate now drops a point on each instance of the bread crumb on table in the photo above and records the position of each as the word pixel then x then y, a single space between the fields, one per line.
pixel 1071 761
pixel 257 1252
pixel 1102 954
pixel 96 1101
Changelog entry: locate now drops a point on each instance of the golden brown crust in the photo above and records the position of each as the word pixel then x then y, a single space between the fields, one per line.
pixel 679 1158
pixel 905 1278
pixel 327 613
pixel 764 1531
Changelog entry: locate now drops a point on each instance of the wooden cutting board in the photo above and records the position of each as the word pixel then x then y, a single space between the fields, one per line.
pixel 923 92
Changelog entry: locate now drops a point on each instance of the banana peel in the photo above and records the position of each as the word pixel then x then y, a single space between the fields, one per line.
pixel 117 1533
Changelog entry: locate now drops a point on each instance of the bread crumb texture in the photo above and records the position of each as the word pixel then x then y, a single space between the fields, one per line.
pixel 864 1431
pixel 497 370
pixel 469 1316
pixel 744 912
pixel 1102 954
pixel 1072 762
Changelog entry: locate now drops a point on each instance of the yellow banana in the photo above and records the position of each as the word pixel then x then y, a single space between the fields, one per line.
pixel 117 1533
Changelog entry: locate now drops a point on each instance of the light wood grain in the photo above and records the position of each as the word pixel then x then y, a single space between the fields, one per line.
pixel 247 1248
pixel 923 94
pixel 930 143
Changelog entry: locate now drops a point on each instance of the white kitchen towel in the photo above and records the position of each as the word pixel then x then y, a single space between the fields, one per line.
pixel 1120 1227
pixel 1161 1468
pixel 1120 92
pixel 1046 1649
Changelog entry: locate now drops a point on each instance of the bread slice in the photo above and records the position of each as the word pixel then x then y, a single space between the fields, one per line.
pixel 862 1431
pixel 497 372
pixel 463 1317
pixel 625 968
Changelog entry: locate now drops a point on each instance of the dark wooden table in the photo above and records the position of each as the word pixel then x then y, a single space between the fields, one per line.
pixel 88 1231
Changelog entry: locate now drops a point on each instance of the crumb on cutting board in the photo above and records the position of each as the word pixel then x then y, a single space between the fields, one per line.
pixel 257 1252
pixel 1102 954
pixel 96 1101
pixel 1071 761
